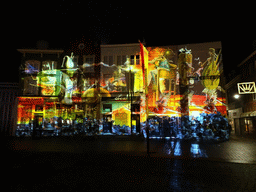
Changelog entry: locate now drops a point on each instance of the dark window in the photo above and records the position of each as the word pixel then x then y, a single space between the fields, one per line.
pixel 137 59
pixel 119 61
pixel 132 59
pixel 107 107
pixel 135 107
pixel 123 59
pixel 111 60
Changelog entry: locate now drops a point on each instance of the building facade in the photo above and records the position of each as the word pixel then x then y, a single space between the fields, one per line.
pixel 182 80
pixel 131 84
pixel 242 107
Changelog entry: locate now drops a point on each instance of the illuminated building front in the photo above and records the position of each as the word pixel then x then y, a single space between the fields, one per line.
pixel 130 85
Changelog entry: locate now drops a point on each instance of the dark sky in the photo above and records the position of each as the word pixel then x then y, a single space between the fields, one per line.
pixel 61 22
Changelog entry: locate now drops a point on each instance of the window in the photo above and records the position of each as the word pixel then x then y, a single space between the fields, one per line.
pixel 132 59
pixel 50 82
pixel 30 86
pixel 89 59
pixel 111 61
pixel 123 59
pixel 49 65
pixel 137 59
pixel 107 107
pixel 108 60
pixel 119 60
pixel 105 59
pixel 32 66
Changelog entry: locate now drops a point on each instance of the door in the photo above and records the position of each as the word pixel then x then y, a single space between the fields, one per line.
pixel 38 123
pixel 136 123
pixel 38 120
pixel 107 124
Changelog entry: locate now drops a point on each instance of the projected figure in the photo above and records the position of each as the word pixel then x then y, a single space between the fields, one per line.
pixel 161 77
pixel 161 104
pixel 211 79
pixel 185 66
pixel 198 72
pixel 68 83
pixel 161 62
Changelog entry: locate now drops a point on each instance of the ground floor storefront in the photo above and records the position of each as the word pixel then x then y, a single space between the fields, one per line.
pixel 120 115
pixel 243 124
pixel 47 116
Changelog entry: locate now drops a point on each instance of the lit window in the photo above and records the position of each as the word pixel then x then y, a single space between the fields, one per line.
pixel 32 66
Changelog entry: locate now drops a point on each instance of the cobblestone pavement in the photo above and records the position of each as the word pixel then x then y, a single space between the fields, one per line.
pixel 65 164
pixel 237 149
pixel 61 171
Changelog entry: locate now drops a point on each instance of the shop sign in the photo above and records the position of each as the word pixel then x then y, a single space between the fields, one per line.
pixel 120 99
pixel 246 88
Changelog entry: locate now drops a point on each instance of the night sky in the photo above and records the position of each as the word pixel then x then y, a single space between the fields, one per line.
pixel 63 22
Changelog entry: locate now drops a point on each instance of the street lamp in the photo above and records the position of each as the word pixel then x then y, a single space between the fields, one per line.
pixel 236 96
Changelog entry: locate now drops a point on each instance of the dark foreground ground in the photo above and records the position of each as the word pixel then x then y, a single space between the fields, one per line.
pixel 122 165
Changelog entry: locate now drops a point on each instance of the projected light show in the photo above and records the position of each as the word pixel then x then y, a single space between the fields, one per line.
pixel 156 83
pixel 188 87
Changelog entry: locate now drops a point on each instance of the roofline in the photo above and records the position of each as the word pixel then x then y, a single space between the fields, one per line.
pixel 233 81
pixel 120 45
pixel 247 58
pixel 49 51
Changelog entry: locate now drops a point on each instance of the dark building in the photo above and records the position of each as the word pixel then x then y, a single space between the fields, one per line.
pixel 242 106
pixel 8 108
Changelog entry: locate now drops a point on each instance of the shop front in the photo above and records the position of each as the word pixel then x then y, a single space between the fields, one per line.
pixel 248 124
pixel 120 115
pixel 48 116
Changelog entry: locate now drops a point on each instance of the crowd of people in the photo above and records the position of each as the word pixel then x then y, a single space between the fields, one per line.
pixel 58 126
pixel 205 126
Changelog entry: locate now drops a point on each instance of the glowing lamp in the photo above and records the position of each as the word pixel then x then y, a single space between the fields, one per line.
pixel 236 96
